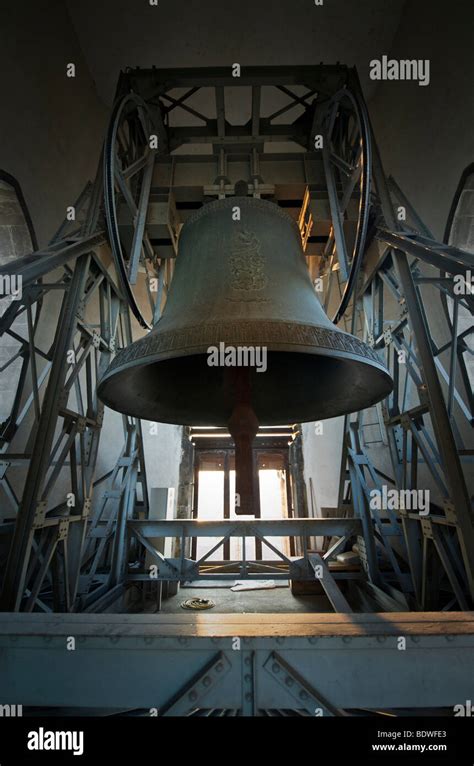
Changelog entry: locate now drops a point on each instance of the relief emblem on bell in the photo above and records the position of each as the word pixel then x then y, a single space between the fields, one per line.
pixel 247 266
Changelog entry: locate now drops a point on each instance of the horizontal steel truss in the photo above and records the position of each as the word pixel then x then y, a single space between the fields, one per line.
pixel 56 561
pixel 442 545
pixel 308 567
pixel 321 665
pixel 155 86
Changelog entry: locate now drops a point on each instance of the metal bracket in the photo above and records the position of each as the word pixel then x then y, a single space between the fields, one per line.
pixel 423 394
pixel 297 687
pixel 81 425
pixel 86 508
pixel 96 339
pixel 80 313
pixel 63 529
pixel 450 512
pixel 405 421
pixel 40 515
pixel 403 307
pixel 298 569
pixel 427 528
pixel 248 683
pixel 387 336
pixel 191 694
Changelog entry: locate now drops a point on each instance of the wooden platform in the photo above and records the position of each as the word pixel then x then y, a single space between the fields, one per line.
pixel 224 625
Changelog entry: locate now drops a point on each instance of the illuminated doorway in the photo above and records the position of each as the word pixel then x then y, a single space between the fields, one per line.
pixel 214 499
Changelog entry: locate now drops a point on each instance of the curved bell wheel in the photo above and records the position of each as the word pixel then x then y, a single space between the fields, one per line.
pixel 129 154
pixel 347 165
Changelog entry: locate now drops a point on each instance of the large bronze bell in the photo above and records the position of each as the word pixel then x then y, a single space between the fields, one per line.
pixel 241 282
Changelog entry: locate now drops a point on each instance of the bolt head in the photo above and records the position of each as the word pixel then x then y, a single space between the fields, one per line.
pixel 303 695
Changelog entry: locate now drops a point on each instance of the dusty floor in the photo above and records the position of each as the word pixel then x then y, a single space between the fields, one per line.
pixel 275 600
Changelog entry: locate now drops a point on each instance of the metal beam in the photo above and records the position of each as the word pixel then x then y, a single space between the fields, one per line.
pixel 15 573
pixel 264 527
pixel 37 265
pixel 146 659
pixel 331 588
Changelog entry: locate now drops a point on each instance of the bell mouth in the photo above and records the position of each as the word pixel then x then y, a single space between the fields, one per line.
pixel 295 387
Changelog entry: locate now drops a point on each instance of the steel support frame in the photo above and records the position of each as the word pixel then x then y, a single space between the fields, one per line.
pixel 422 433
pixel 427 432
pixel 308 567
pixel 319 665
pixel 54 557
pixel 155 85
pixel 393 272
pixel 78 549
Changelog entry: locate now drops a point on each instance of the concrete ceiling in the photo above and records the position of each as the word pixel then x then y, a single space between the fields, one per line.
pixel 115 34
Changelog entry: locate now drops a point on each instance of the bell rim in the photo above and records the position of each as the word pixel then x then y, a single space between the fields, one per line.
pixel 131 358
pixel 123 379
pixel 277 348
pixel 274 335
